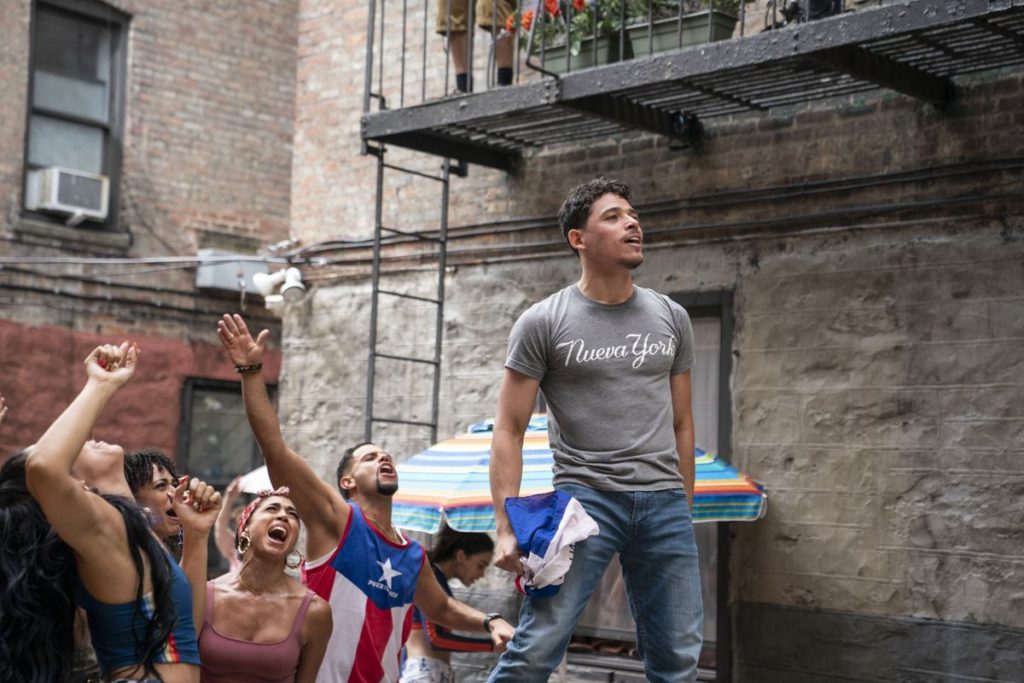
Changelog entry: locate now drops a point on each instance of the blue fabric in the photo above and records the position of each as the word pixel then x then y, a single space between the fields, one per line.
pixel 653 534
pixel 389 583
pixel 535 519
pixel 117 629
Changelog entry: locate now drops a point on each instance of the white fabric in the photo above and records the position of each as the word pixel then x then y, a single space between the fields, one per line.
pixel 426 670
pixel 256 481
pixel 541 571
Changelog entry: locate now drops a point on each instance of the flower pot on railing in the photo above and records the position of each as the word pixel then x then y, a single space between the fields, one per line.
pixel 640 40
pixel 673 34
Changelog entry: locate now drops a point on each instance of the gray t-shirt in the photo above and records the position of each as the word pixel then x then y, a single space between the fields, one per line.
pixel 604 371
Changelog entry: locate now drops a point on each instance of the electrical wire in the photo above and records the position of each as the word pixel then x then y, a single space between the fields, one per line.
pixel 304 255
pixel 190 260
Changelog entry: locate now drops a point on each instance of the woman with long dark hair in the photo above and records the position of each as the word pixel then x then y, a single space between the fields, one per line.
pixel 261 625
pixel 138 602
pixel 37 572
pixel 455 555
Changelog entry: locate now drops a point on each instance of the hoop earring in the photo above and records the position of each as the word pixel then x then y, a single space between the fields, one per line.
pixel 297 562
pixel 243 544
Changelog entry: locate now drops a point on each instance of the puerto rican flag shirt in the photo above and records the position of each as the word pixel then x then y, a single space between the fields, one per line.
pixel 369 582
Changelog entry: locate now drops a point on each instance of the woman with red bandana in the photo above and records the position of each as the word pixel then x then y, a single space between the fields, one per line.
pixel 260 625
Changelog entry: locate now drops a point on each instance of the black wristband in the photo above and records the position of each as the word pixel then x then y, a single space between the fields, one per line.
pixel 250 369
pixel 489 617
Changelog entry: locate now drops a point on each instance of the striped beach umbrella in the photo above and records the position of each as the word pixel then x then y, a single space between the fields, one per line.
pixel 450 481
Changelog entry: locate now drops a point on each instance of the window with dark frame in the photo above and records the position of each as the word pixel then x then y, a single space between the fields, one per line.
pixel 75 114
pixel 215 443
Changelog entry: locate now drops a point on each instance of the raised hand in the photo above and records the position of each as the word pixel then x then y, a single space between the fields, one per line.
pixel 241 347
pixel 111 364
pixel 233 491
pixel 196 503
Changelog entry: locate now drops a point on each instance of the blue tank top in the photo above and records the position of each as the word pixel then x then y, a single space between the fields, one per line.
pixel 115 629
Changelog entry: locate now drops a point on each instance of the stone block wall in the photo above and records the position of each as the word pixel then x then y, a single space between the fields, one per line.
pixel 874 248
pixel 888 435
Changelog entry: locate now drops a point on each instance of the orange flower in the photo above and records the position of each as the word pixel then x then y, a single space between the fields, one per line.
pixel 551 7
pixel 510 23
pixel 527 19
pixel 579 5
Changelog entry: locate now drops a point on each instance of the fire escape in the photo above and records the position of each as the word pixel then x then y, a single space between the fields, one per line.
pixel 916 48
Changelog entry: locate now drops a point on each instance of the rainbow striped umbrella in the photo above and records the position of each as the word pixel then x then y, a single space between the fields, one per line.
pixel 450 481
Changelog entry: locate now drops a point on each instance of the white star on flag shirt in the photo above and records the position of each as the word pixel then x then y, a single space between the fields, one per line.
pixel 387 572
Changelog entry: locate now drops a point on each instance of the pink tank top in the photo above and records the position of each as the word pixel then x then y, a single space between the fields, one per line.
pixel 229 660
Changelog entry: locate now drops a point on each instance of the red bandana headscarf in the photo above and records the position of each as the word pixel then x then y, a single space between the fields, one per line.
pixel 243 519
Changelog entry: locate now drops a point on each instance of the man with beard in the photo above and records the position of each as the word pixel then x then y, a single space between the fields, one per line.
pixel 613 361
pixel 367 571
pixel 152 477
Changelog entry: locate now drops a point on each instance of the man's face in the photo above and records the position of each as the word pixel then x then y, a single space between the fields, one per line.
pixel 612 235
pixel 372 471
pixel 157 495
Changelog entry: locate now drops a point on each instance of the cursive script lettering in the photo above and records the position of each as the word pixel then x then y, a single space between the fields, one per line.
pixel 637 346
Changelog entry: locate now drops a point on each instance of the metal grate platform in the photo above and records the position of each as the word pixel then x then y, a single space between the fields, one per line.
pixel 914 48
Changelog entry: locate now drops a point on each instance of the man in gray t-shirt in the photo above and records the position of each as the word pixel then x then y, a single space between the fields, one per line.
pixel 613 361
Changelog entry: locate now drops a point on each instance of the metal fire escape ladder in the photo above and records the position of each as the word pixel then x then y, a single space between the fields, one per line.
pixel 440 239
pixel 383 233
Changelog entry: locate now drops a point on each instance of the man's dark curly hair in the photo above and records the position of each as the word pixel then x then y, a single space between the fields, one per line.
pixel 138 467
pixel 345 464
pixel 576 207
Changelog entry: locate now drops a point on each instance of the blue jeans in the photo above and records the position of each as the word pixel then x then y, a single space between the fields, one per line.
pixel 653 534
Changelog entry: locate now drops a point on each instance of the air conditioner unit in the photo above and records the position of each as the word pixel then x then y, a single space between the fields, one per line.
pixel 69 193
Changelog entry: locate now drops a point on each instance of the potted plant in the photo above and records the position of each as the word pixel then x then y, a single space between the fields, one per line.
pixel 569 35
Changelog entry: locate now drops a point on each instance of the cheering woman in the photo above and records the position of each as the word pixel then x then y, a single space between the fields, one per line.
pixel 260 625
pixel 138 601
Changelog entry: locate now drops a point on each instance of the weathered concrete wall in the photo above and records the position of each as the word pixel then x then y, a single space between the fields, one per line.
pixel 877 392
pixel 874 247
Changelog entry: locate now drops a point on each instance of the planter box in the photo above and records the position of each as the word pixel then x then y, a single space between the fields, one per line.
pixel 664 36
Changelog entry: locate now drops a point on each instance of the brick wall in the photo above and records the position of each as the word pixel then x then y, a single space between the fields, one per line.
pixel 43 372
pixel 209 123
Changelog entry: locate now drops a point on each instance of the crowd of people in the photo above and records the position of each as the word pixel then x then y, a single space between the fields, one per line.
pixel 103 554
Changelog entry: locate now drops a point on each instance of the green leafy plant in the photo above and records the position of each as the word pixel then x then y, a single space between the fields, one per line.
pixel 572 22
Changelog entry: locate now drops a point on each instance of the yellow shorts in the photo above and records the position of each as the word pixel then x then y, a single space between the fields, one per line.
pixel 484 14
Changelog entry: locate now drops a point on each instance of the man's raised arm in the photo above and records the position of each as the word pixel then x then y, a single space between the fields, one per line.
pixel 515 405
pixel 322 508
